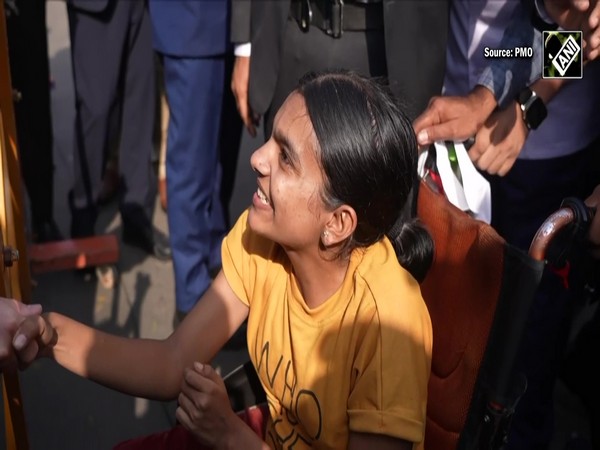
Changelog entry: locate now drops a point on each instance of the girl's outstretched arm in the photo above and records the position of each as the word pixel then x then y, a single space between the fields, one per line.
pixel 147 367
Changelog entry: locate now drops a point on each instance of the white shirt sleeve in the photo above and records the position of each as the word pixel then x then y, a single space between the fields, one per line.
pixel 244 49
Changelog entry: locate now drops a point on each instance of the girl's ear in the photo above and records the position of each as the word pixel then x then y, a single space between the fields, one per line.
pixel 340 226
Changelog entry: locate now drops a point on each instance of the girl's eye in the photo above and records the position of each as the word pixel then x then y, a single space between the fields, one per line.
pixel 284 157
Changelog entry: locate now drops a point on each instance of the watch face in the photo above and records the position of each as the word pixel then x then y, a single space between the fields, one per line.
pixel 536 113
pixel 524 95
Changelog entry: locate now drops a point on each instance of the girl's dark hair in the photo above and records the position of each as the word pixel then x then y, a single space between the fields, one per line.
pixel 368 152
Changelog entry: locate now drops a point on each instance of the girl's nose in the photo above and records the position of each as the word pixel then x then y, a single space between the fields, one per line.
pixel 259 160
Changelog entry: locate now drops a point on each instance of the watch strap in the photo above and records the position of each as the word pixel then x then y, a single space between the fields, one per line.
pixel 524 96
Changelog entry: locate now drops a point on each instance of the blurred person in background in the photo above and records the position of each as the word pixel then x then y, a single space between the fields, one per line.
pixel 114 78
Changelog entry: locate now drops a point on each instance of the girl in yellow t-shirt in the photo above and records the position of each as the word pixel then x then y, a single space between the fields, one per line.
pixel 320 267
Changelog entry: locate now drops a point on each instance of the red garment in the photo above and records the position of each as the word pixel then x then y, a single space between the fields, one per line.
pixel 178 438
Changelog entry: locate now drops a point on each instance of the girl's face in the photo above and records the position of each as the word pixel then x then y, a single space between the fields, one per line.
pixel 287 206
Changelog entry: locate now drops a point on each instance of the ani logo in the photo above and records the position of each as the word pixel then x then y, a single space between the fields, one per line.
pixel 562 54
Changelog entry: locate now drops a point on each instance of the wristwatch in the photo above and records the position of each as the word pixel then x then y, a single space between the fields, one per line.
pixel 533 108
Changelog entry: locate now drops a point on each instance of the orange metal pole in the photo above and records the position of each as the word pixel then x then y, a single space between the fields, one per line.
pixel 15 280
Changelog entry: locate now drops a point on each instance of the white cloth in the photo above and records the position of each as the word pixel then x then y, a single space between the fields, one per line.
pixel 472 192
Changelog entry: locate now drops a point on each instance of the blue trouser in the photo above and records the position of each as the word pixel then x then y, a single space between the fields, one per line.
pixel 194 88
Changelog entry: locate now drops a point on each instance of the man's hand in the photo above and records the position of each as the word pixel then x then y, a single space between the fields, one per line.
pixel 568 14
pixel 578 15
pixel 454 118
pixel 204 407
pixel 12 315
pixel 593 201
pixel 591 31
pixel 499 142
pixel 239 86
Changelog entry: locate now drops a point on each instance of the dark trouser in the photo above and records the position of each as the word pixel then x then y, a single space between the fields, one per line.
pixel 521 201
pixel 360 51
pixel 113 70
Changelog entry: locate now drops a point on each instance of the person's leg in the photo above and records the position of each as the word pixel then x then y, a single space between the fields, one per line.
pixel 97 41
pixel 137 103
pixel 138 112
pixel 194 89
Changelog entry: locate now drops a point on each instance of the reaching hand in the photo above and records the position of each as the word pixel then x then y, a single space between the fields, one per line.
pixel 568 14
pixel 239 86
pixel 12 315
pixel 454 118
pixel 35 337
pixel 591 31
pixel 204 407
pixel 499 142
pixel 579 15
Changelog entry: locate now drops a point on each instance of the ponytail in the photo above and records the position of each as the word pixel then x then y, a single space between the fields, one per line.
pixel 414 247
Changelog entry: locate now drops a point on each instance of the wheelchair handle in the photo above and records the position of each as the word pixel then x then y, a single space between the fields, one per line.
pixel 572 210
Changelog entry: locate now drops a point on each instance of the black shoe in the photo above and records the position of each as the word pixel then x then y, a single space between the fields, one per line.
pixel 149 239
pixel 46 231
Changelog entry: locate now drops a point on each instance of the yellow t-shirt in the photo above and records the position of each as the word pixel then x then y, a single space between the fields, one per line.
pixel 358 362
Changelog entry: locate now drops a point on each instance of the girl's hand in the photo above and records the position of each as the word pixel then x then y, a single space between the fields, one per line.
pixel 34 338
pixel 204 407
